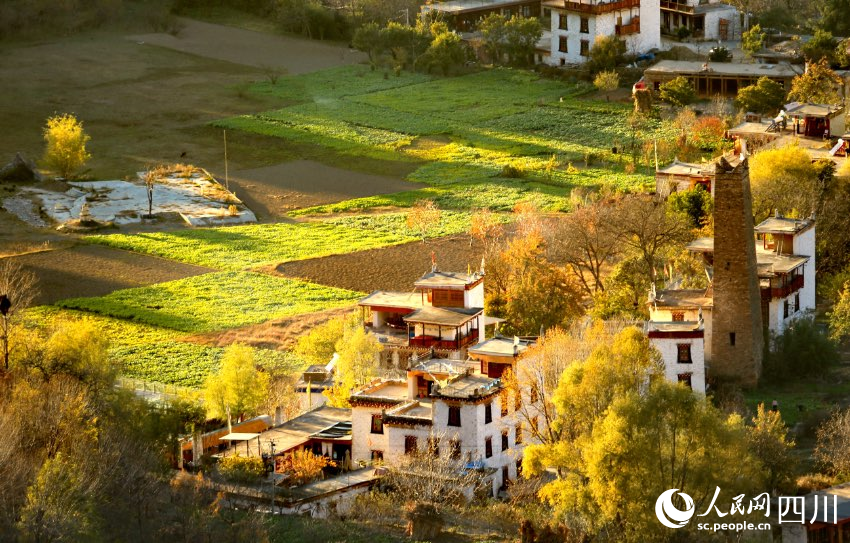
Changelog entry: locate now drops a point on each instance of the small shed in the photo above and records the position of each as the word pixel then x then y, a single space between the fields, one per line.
pixel 817 120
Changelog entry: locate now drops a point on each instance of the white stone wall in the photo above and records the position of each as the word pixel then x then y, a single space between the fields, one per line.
pixel 363 441
pixel 668 347
pixel 474 297
pixel 712 23
pixel 666 315
pixel 604 24
pixel 804 244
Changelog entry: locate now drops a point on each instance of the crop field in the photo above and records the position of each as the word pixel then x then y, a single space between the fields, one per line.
pixel 215 301
pixel 236 248
pixel 462 131
pixel 154 353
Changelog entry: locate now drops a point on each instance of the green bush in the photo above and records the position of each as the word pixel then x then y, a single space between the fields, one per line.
pixel 765 96
pixel 241 469
pixel 803 350
pixel 678 92
pixel 719 54
pixel 683 32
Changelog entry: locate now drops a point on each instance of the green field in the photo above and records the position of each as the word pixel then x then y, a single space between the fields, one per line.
pixel 240 247
pixel 215 301
pixel 463 131
pixel 153 353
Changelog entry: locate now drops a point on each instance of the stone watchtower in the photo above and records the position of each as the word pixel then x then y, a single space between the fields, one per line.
pixel 737 340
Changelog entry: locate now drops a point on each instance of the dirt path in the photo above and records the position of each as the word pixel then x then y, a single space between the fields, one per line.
pixel 294 55
pixel 387 268
pixel 92 270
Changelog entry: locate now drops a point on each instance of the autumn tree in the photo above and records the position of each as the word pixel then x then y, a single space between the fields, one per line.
pixel 607 81
pixel 528 290
pixel 423 217
pixel 647 225
pixel 752 40
pixel 485 226
pixel 696 203
pixel 301 466
pixel 765 96
pixel 18 289
pixel 783 180
pixel 238 388
pixel 819 85
pixel 821 46
pixel 357 364
pixel 66 145
pixel 833 442
pixel 769 443
pixel 319 344
pixel 587 241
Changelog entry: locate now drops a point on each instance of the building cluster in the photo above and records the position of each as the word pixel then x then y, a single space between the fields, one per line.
pixel 573 25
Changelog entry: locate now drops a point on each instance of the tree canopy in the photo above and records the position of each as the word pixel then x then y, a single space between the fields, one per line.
pixel 66 145
pixel 818 85
pixel 238 388
pixel 765 96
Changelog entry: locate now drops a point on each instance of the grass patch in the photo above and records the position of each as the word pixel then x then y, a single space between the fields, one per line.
pixel 215 301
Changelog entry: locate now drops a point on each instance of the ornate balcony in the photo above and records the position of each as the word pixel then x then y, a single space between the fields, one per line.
pixel 593 8
pixel 631 28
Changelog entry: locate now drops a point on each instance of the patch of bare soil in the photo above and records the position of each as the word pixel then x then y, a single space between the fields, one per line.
pixel 272 191
pixel 387 268
pixel 92 270
pixel 276 334
pixel 289 53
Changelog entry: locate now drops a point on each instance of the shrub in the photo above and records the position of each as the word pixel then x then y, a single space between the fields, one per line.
pixel 512 172
pixel 803 350
pixel 683 32
pixel 707 133
pixel 696 203
pixel 719 54
pixel 678 92
pixel 606 54
pixel 241 469
pixel 812 482
pixel 606 81
pixel 765 96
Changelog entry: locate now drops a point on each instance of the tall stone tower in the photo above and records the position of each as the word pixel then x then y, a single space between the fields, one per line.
pixel 737 339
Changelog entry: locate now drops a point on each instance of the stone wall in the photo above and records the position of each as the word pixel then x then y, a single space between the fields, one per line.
pixel 737 339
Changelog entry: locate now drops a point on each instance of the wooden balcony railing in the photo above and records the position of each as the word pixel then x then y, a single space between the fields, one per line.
pixel 427 342
pixel 596 8
pixel 676 6
pixel 631 28
pixel 783 292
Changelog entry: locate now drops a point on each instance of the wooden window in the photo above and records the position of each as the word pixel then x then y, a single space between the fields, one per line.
pixel 562 24
pixel 584 28
pixel 505 444
pixel 505 477
pixel 454 416
pixel 518 468
pixel 678 316
pixel 684 353
pixel 503 403
pixel 434 446
pixel 732 338
pixel 410 445
pixel 377 456
pixel 447 298
pixel 562 44
pixel 377 424
pixel 585 48
pixel 517 401
pixel 518 437
pixel 534 395
pixel 796 302
pixel 488 413
pixel 488 447
pixel 785 309
pixel 454 449
pixel 686 379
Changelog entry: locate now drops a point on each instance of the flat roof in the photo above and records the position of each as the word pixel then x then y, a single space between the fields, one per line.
pixel 299 430
pixel 701 245
pixel 468 386
pixel 770 263
pixel 687 168
pixel 393 390
pixel 386 298
pixel 459 6
pixel 443 316
pixel 442 365
pixel 330 485
pixel 812 110
pixel 696 67
pixel 680 326
pixel 441 279
pixel 414 410
pixel 683 298
pixel 500 346
pixel 783 225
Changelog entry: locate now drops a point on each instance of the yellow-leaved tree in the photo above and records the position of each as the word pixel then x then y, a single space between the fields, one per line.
pixel 239 388
pixel 783 179
pixel 357 365
pixel 66 145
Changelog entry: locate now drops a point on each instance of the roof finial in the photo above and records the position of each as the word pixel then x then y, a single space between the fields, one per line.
pixel 433 261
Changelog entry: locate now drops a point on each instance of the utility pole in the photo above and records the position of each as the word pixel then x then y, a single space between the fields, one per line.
pixel 226 179
pixel 274 487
